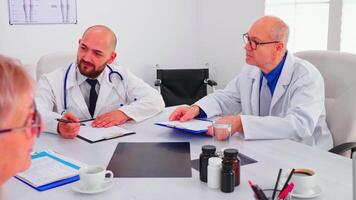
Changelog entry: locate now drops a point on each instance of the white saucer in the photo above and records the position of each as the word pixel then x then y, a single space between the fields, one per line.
pixel 79 187
pixel 316 191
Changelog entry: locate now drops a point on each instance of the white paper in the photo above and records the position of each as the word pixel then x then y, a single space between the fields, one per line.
pixel 96 134
pixel 68 159
pixel 194 124
pixel 46 170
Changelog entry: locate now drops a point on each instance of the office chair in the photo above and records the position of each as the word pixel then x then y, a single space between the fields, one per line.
pixel 183 86
pixel 52 61
pixel 338 70
pixel 354 175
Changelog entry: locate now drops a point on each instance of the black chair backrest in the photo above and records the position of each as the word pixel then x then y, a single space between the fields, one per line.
pixel 182 86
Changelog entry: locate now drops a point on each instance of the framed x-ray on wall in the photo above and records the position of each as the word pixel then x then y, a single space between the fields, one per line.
pixel 42 12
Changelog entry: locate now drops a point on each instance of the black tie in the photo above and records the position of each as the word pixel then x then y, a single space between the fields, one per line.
pixel 93 96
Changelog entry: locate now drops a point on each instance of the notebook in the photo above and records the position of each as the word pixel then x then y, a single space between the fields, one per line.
pixel 48 171
pixel 192 126
pixel 92 135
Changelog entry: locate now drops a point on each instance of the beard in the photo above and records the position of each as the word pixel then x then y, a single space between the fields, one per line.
pixel 88 69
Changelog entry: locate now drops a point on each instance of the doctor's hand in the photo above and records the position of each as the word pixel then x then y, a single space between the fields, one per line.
pixel 69 130
pixel 109 119
pixel 234 120
pixel 184 113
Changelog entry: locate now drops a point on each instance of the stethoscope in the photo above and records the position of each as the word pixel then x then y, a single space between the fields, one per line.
pixel 112 72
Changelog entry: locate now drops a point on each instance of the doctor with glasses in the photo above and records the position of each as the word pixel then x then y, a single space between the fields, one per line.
pixel 276 95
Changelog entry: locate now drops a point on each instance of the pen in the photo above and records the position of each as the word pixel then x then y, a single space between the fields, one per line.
pixel 261 193
pixel 204 119
pixel 285 192
pixel 276 185
pixel 253 187
pixel 288 179
pixel 70 121
pixel 87 120
pixel 258 192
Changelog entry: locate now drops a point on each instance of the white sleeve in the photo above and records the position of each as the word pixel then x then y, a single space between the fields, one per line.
pixel 222 102
pixel 46 102
pixel 144 101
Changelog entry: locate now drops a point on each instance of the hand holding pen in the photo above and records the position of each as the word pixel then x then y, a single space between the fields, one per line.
pixel 68 126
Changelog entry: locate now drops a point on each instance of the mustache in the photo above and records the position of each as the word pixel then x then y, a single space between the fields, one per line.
pixel 86 63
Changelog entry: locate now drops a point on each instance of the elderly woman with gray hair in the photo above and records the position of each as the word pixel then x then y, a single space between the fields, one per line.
pixel 19 121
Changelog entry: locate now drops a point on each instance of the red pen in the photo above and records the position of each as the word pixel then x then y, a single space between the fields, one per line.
pixel 258 192
pixel 283 194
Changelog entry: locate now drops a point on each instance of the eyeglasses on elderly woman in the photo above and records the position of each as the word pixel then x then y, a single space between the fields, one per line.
pixel 33 122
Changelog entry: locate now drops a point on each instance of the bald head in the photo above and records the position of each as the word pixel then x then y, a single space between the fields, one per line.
pixel 276 28
pixel 104 32
pixel 267 41
pixel 96 50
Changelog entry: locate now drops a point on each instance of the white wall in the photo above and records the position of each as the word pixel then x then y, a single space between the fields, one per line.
pixel 221 25
pixel 173 33
pixel 149 32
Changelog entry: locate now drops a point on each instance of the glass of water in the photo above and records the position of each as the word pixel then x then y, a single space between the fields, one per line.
pixel 221 137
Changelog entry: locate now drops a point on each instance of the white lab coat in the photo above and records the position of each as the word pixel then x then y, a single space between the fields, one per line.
pixel 131 95
pixel 297 108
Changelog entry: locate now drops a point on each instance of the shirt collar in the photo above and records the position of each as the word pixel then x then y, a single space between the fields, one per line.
pixel 272 75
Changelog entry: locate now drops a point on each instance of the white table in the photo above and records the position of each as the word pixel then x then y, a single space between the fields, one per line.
pixel 334 172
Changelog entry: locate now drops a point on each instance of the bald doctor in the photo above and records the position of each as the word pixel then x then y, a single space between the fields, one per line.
pixel 93 87
pixel 276 95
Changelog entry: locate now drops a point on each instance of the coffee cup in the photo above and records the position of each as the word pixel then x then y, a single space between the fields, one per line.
pixel 92 177
pixel 304 181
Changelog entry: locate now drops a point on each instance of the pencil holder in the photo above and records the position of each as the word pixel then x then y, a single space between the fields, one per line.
pixel 269 193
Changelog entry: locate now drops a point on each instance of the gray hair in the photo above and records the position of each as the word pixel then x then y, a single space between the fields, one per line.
pixel 279 30
pixel 14 82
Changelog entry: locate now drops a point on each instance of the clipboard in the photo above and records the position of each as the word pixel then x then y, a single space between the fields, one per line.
pixel 56 183
pixel 195 126
pixel 105 138
pixel 93 135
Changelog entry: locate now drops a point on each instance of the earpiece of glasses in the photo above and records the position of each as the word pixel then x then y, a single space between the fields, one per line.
pixel 253 43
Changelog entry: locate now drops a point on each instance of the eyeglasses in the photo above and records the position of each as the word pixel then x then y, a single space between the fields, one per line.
pixel 253 43
pixel 35 125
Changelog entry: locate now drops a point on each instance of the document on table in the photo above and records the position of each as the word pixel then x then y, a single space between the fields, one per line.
pixel 48 171
pixel 91 134
pixel 192 126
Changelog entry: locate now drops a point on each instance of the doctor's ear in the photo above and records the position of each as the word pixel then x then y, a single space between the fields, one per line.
pixel 112 57
pixel 280 46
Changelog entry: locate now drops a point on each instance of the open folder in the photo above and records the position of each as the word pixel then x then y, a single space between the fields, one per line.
pixel 91 134
pixel 48 171
pixel 192 126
